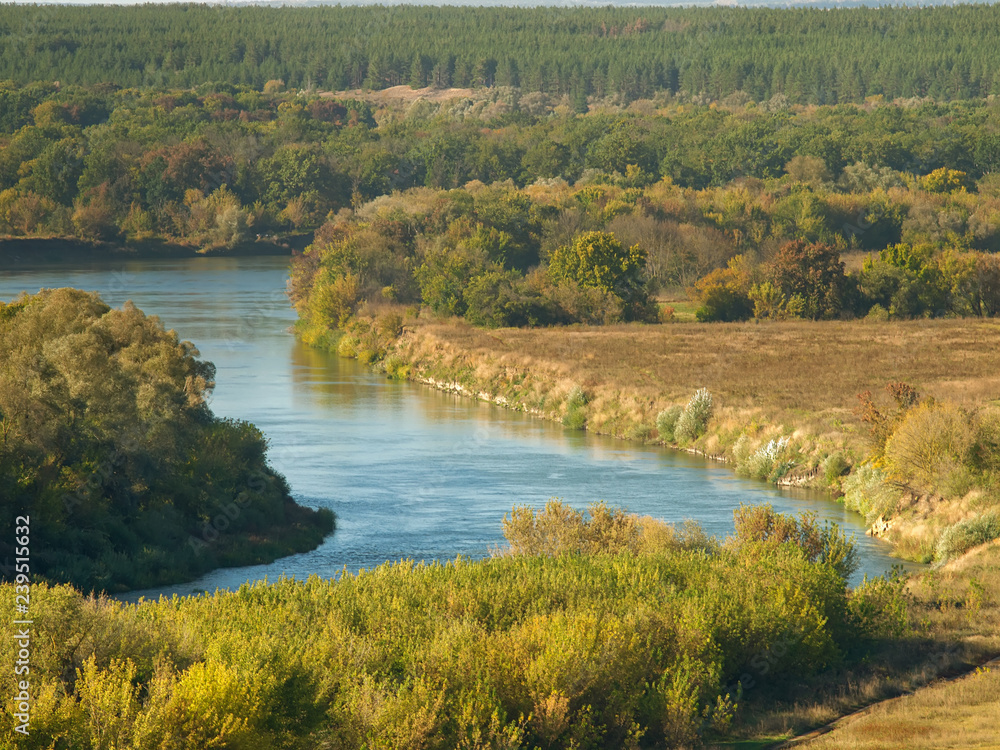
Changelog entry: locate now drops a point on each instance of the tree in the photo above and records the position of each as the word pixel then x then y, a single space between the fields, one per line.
pixel 598 259
pixel 720 297
pixel 946 180
pixel 813 272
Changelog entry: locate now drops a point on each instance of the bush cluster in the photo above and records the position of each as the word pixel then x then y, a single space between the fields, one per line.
pixel 666 422
pixel 576 409
pixel 959 538
pixel 693 421
pixel 583 640
pixel 868 492
pixel 769 461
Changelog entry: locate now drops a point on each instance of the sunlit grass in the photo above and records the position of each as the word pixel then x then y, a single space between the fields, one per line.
pixel 801 376
pixel 961 713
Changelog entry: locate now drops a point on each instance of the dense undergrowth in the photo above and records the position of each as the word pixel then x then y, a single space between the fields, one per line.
pixel 108 445
pixel 617 632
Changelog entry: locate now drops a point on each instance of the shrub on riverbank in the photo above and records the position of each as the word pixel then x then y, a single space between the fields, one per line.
pixel 964 535
pixel 108 444
pixel 597 647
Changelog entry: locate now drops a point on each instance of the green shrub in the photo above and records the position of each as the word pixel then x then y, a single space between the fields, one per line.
pixel 928 448
pixel 693 421
pixel 666 422
pixel 877 314
pixel 826 543
pixel 559 529
pixel 576 410
pixel 768 462
pixel 867 491
pixel 519 650
pixel 959 538
pixel 834 467
pixel 877 608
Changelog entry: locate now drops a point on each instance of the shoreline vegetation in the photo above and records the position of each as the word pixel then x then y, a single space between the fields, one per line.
pixel 108 444
pixel 590 630
pixel 614 379
pixel 862 362
pixel 771 236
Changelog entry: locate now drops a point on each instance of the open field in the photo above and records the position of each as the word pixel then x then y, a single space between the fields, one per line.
pixel 960 713
pixel 404 94
pixel 803 374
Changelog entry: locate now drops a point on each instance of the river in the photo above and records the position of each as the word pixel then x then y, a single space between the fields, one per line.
pixel 412 473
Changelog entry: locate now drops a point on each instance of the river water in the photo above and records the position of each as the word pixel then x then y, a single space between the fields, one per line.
pixel 412 473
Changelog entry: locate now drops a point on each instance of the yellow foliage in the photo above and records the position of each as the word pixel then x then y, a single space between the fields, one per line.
pixel 929 445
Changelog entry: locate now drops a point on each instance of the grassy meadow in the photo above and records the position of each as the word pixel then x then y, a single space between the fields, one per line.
pixel 958 712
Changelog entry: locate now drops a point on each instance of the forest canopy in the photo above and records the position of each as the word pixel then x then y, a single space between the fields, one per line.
pixel 107 442
pixel 814 56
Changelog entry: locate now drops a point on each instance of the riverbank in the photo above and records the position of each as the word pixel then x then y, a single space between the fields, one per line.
pixel 18 252
pixel 791 384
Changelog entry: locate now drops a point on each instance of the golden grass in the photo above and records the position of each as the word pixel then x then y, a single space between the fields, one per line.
pixel 806 375
pixel 962 713
pixel 955 612
pixel 404 94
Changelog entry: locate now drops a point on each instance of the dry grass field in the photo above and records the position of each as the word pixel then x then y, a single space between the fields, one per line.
pixel 961 601
pixel 958 714
pixel 803 374
pixel 404 94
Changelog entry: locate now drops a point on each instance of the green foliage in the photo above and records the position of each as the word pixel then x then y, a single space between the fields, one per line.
pixel 945 180
pixel 964 535
pixel 867 491
pixel 928 448
pixel 498 299
pixel 693 421
pixel 598 259
pixel 559 529
pixel 877 608
pixel 812 273
pixel 107 441
pixel 824 544
pixel 907 281
pixel 666 422
pixel 444 276
pixel 721 297
pixel 808 57
pixel 769 461
pixel 595 641
pixel 834 467
pixel 576 410
pixel 770 303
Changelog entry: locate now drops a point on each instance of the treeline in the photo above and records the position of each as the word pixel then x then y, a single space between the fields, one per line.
pixel 212 168
pixel 616 632
pixel 597 252
pixel 108 445
pixel 222 164
pixel 817 56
